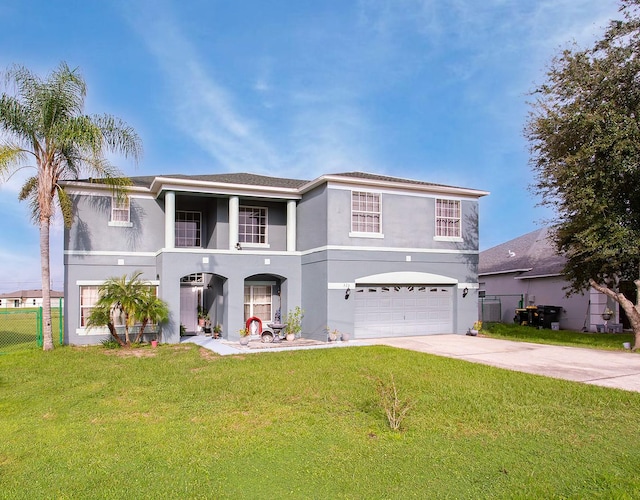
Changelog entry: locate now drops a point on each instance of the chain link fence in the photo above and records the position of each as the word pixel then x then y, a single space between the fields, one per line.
pixel 21 328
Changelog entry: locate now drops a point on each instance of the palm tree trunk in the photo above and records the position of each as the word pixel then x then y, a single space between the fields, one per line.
pixel 47 332
pixel 141 331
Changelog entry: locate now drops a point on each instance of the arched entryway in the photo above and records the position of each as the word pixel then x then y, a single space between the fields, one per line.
pixel 264 298
pixel 201 303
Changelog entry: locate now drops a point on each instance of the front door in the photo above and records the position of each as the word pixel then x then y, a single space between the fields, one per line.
pixel 189 301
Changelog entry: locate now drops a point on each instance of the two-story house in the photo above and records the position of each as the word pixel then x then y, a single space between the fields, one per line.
pixel 366 254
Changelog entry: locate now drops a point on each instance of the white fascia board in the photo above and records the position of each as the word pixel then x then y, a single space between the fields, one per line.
pixel 95 189
pixel 160 184
pixel 533 276
pixel 433 189
pixel 509 271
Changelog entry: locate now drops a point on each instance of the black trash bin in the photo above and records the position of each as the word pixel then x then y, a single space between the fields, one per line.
pixel 548 315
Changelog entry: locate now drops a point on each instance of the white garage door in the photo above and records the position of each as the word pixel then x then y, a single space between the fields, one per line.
pixel 387 311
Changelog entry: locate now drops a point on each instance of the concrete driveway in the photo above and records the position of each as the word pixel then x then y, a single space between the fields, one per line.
pixel 619 369
pixel 591 366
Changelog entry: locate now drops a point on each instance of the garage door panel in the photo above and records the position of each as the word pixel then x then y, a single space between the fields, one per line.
pixel 403 310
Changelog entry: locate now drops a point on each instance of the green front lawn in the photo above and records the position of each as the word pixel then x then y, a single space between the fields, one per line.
pixel 180 422
pixel 611 341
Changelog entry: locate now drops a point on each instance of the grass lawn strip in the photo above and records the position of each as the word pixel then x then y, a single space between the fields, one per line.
pixel 609 341
pixel 79 423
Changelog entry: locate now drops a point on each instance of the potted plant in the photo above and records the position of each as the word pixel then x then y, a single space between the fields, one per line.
pixel 293 323
pixel 217 331
pixel 332 335
pixel 244 336
pixel 203 317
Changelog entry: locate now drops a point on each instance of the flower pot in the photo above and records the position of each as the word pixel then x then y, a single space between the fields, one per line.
pixel 291 337
pixel 244 340
pixel 154 343
pixel 332 337
pixel 345 337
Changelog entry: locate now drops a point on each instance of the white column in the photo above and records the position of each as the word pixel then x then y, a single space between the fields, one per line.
pixel 291 226
pixel 234 220
pixel 170 219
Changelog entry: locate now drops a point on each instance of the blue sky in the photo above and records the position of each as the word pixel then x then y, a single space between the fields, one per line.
pixel 426 89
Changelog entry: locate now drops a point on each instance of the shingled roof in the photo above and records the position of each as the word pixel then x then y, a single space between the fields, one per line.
pixel 230 178
pixel 531 255
pixel 387 178
pixel 248 179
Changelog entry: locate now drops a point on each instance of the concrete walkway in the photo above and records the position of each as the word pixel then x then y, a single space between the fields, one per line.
pixel 591 366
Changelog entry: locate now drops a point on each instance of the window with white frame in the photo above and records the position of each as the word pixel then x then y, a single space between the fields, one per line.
pixel 252 227
pixel 120 211
pixel 366 212
pixel 188 232
pixel 88 297
pixel 448 219
pixel 257 302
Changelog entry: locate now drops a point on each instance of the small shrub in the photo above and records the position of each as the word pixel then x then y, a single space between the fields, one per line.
pixel 110 344
pixel 394 407
pixel 294 321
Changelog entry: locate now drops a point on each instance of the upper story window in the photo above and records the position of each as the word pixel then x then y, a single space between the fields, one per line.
pixel 188 224
pixel 252 225
pixel 120 211
pixel 366 213
pixel 448 219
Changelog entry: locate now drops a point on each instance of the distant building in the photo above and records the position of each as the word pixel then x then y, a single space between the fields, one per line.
pixel 28 298
pixel 527 271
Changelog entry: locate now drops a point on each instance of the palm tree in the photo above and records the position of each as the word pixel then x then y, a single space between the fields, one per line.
pixel 151 309
pixel 43 127
pixel 131 298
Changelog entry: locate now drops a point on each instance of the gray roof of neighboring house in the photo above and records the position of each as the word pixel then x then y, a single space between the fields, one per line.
pixel 531 255
pixel 30 294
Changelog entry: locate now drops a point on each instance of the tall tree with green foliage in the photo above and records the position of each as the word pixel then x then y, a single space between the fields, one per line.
pixel 133 300
pixel 43 126
pixel 584 132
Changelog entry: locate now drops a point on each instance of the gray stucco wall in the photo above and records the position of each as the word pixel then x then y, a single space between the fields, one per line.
pixel 539 291
pixel 407 222
pixel 312 219
pixel 328 307
pixel 90 230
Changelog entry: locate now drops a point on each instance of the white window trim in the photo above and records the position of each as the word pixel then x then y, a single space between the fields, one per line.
pixel 120 223
pixel 457 239
pixel 357 234
pixel 253 284
pixel 266 228
pixel 366 234
pixel 102 330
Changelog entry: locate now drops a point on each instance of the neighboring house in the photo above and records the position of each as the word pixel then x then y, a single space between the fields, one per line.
pixel 366 254
pixel 28 298
pixel 527 271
